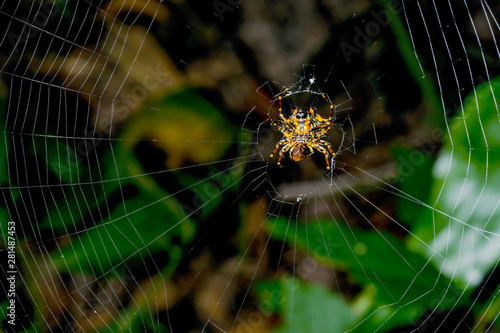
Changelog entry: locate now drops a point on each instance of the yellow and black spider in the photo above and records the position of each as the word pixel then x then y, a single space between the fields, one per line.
pixel 303 130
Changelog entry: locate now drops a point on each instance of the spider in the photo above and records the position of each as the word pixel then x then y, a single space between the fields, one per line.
pixel 303 131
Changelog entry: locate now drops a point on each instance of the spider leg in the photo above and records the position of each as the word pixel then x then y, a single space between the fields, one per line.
pixel 319 146
pixel 328 145
pixel 325 124
pixel 280 106
pixel 286 147
pixel 324 152
pixel 331 107
pixel 281 142
pixel 283 125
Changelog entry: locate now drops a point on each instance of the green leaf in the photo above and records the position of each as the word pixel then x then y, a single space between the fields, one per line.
pixel 461 234
pixel 414 172
pixel 304 307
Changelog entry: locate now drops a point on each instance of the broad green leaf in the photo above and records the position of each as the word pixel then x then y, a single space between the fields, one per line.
pixel 414 171
pixel 304 307
pixel 461 232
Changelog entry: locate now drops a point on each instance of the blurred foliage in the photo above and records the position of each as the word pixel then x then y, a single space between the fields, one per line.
pixel 304 307
pixel 460 229
pixel 154 200
pixel 206 133
pixel 4 147
pixel 414 166
pixel 398 284
pixel 129 218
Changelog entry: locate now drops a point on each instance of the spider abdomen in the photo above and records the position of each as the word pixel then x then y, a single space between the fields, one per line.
pixel 297 153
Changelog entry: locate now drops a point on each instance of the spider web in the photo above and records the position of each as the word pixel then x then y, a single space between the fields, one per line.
pixel 131 214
